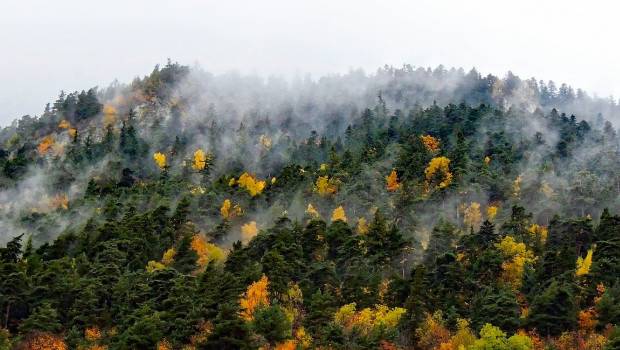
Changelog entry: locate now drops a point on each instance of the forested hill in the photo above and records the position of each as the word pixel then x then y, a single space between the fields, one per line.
pixel 406 209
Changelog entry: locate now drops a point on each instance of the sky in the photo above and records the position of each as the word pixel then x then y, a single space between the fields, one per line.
pixel 47 46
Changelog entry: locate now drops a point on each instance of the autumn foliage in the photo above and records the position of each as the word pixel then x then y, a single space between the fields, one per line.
pixel 472 216
pixel 230 211
pixel 584 264
pixel 46 144
pixel 248 231
pixel 325 186
pixel 206 251
pixel 517 257
pixel 265 141
pixel 391 181
pixel 437 173
pixel 43 341
pixel 201 160
pixel 310 210
pixel 252 185
pixel 339 214
pixel 256 295
pixel 431 143
pixel 160 160
pixel 109 115
pixel 367 320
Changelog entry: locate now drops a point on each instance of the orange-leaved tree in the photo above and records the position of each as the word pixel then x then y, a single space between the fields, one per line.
pixel 256 296
pixel 391 181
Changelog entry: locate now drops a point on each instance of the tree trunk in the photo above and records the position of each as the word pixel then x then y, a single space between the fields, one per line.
pixel 6 315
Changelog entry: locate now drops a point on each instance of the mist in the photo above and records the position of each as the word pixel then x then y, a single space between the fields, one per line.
pixel 69 44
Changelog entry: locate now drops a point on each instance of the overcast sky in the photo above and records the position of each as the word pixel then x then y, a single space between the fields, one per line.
pixel 50 45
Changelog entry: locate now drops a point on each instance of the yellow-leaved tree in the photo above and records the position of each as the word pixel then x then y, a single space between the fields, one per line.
pixel 230 211
pixel 584 264
pixel 265 141
pixel 516 186
pixel 64 124
pixel 168 257
pixel 433 331
pixel 248 231
pixel 492 212
pixel 255 296
pixel 472 216
pixel 516 258
pixel 160 160
pixel 153 266
pixel 201 160
pixel 310 210
pixel 437 173
pixel 462 338
pixel 290 344
pixel 539 233
pixel 251 184
pixel 391 181
pixel 207 252
pixel 109 115
pixel 339 214
pixel 362 226
pixel 367 320
pixel 325 186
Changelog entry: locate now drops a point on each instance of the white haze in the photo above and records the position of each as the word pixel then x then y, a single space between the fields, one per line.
pixel 47 46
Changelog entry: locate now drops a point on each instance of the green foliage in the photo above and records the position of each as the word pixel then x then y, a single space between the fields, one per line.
pixel 272 323
pixel 86 262
pixel 492 338
pixel 554 310
pixel 43 319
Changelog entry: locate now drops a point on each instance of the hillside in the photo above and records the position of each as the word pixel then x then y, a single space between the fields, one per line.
pixel 409 208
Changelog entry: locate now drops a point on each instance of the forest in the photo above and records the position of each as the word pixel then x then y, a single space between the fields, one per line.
pixel 410 208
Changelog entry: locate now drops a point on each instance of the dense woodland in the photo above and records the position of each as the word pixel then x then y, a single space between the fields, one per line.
pixel 407 209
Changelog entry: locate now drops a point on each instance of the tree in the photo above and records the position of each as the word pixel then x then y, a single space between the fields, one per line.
pixel 383 243
pixel 412 158
pixel 186 258
pixel 391 181
pixel 437 173
pixel 492 337
pixel 272 323
pixel 325 186
pixel 606 266
pixel 497 306
pixel 87 105
pixel 608 306
pixel 251 184
pixel 13 250
pixel 144 332
pixel 553 310
pixel 43 319
pixel 339 215
pixel 160 160
pixel 441 240
pixel 613 342
pixel 255 296
pixel 472 216
pixel 230 332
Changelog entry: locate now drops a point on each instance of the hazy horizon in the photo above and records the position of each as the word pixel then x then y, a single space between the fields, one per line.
pixel 73 45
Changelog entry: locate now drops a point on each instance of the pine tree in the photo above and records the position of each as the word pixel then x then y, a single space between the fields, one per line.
pixel 553 310
pixel 43 319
